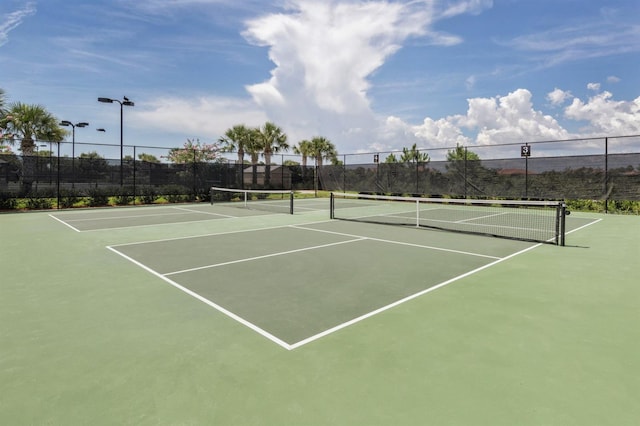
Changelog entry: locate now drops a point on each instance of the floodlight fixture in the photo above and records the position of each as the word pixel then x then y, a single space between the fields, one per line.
pixel 126 102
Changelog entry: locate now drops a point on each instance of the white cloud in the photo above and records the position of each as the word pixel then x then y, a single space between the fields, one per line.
pixel 508 119
pixel 558 96
pixel 470 82
pixel 592 38
pixel 607 116
pixel 441 133
pixel 613 79
pixel 12 20
pixel 473 7
pixel 324 54
pixel 204 117
pixel 326 50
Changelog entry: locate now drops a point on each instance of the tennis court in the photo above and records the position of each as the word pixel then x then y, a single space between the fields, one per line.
pixel 201 314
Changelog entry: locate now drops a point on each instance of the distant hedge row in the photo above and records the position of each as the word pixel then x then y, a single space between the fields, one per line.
pixel 99 197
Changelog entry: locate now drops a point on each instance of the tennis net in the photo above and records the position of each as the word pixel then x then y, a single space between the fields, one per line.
pixel 538 221
pixel 277 201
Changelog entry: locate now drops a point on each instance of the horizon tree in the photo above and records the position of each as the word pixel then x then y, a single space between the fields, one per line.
pixel 194 151
pixel 322 148
pixel 272 140
pixel 92 167
pixel 253 147
pixel 304 150
pixel 2 101
pixel 413 155
pixel 236 140
pixel 149 158
pixel 391 159
pixel 464 170
pixel 29 123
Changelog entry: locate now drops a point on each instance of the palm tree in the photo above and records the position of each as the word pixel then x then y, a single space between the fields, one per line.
pixel 30 123
pixel 253 146
pixel 241 139
pixel 273 140
pixel 2 113
pixel 303 149
pixel 1 104
pixel 322 148
pixel 235 139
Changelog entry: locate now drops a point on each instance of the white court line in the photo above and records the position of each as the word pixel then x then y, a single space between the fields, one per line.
pixel 64 223
pixel 142 216
pixel 200 212
pixel 480 217
pixel 207 301
pixel 156 224
pixel 249 259
pixel 584 226
pixel 240 231
pixel 397 242
pixel 334 329
pixel 404 300
pixel 150 224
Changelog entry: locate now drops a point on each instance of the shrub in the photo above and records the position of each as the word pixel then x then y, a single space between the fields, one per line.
pixel 148 194
pixel 7 202
pixel 35 203
pixel 122 196
pixel 97 197
pixel 176 193
pixel 68 197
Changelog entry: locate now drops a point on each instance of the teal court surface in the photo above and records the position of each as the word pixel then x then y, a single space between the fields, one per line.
pixel 211 314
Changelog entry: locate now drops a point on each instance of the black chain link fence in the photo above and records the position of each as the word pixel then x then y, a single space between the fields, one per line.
pixel 550 171
pixel 607 169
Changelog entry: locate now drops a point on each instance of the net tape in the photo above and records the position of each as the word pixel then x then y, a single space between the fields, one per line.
pixel 279 201
pixel 538 221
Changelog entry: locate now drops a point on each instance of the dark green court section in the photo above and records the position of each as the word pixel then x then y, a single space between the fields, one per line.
pixel 278 279
pixel 185 253
pixel 130 217
pixel 297 296
pixel 548 337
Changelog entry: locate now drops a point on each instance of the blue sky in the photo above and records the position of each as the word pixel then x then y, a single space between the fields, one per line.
pixel 369 75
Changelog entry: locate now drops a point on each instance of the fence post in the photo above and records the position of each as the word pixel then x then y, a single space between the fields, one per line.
pixel 606 175
pixel 344 173
pixel 417 191
pixel 195 191
pixel 58 177
pixel 526 175
pixel 134 175
pixel 465 172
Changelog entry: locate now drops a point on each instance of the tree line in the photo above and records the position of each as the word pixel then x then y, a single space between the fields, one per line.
pixel 25 124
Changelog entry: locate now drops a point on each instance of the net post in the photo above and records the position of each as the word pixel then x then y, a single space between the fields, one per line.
pixel 563 221
pixel 211 195
pixel 291 202
pixel 417 213
pixel 331 206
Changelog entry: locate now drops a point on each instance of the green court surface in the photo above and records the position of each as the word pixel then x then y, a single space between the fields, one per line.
pixel 200 315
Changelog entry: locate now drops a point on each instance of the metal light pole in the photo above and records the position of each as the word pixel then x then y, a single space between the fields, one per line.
pixel 67 123
pixel 126 102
